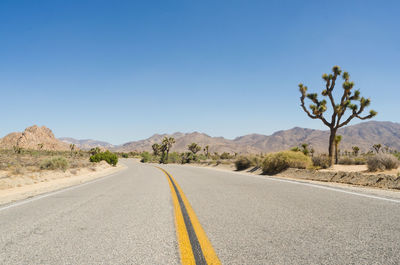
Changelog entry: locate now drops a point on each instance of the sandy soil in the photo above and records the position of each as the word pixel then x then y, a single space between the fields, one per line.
pixel 358 168
pixel 343 168
pixel 13 188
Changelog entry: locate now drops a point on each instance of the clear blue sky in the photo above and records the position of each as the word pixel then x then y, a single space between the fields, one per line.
pixel 123 70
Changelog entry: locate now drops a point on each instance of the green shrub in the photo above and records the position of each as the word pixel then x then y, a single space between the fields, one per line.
pixel 146 157
pixel 201 157
pixel 243 163
pixel 55 163
pixel 174 158
pixel 321 161
pixel 277 162
pixel 125 155
pixel 382 162
pixel 107 156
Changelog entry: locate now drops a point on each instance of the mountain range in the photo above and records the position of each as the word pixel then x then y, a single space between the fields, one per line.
pixel 363 135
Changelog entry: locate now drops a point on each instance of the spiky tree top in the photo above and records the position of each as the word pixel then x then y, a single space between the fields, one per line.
pixel 350 100
pixel 194 148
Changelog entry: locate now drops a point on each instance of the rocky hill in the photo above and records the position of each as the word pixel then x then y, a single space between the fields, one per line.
pixel 34 138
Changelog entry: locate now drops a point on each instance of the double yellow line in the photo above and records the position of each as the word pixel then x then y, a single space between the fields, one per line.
pixel 194 246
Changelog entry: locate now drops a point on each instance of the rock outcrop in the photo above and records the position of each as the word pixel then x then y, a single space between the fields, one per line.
pixel 34 138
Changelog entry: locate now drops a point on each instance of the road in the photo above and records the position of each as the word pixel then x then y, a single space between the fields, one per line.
pixel 129 218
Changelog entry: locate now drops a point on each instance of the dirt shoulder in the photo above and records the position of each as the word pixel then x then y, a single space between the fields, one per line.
pixel 339 176
pixel 14 188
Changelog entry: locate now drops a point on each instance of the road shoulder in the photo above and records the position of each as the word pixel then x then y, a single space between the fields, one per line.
pixel 51 183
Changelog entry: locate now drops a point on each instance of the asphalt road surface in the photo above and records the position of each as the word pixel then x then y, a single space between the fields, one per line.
pixel 130 218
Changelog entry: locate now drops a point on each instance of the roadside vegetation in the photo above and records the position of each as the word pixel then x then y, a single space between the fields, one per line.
pixel 107 156
pixel 19 161
pixel 277 162
pixel 301 157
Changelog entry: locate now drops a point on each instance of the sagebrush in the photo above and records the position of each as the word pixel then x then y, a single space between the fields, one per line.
pixel 380 162
pixel 321 161
pixel 55 163
pixel 278 162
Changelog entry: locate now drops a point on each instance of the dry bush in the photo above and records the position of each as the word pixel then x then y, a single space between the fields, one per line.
pixel 55 163
pixel 34 160
pixel 243 163
pixel 382 162
pixel 352 161
pixel 278 162
pixel 321 161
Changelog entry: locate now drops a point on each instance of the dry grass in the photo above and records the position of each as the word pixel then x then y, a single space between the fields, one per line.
pixel 31 160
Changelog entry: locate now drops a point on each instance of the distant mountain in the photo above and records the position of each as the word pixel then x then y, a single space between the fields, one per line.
pixel 86 144
pixel 363 135
pixel 216 144
pixel 35 138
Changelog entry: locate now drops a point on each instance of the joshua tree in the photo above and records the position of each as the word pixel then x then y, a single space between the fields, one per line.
pixel 206 151
pixel 72 147
pixel 356 150
pixel 312 152
pixel 348 101
pixel 94 151
pixel 386 149
pixel 166 145
pixel 17 149
pixel 377 147
pixel 194 148
pixel 338 138
pixel 305 149
pixel 156 149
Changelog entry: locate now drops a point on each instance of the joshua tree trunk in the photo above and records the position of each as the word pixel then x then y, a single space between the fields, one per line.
pixel 336 154
pixel 332 145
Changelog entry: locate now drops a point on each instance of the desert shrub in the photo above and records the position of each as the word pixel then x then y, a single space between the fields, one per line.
pixel 174 157
pixel 201 157
pixel 225 155
pixel 146 157
pixel 346 160
pixel 125 155
pixel 382 162
pixel 107 156
pixel 360 161
pixel 55 163
pixel 321 161
pixel 243 163
pixel 277 162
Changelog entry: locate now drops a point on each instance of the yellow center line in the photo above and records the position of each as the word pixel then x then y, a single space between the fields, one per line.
pixel 185 245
